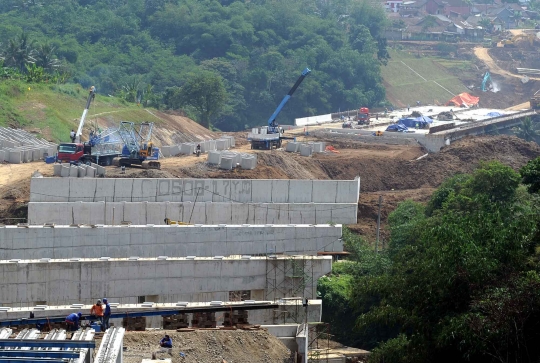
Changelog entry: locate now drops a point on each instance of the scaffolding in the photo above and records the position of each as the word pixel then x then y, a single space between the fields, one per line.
pixel 290 276
pixel 319 342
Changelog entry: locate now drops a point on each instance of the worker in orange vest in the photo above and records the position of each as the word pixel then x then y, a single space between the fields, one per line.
pixel 97 312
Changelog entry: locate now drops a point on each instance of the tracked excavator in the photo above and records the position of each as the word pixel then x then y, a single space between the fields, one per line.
pixel 138 148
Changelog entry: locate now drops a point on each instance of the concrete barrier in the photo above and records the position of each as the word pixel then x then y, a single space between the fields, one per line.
pixel 220 212
pixel 181 279
pixel 201 190
pixel 175 241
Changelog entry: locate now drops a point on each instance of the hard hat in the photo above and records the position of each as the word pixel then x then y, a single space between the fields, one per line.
pixel 99 302
pixel 79 314
pixel 105 300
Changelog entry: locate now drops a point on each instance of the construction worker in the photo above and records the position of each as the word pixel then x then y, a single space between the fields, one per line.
pixel 198 149
pixel 97 312
pixel 106 315
pixel 72 135
pixel 72 321
pixel 165 342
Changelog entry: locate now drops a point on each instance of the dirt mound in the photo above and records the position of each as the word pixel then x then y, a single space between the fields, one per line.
pixel 463 156
pixel 208 346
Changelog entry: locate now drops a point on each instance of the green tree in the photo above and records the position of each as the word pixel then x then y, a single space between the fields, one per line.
pixel 527 131
pixel 205 92
pixel 462 287
pixel 485 23
pixel 530 175
pixel 45 57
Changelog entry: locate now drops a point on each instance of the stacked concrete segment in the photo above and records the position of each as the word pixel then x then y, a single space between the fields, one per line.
pixel 195 190
pixel 174 279
pixel 78 171
pixel 19 146
pixel 306 149
pixel 63 242
pixel 188 148
pixel 109 213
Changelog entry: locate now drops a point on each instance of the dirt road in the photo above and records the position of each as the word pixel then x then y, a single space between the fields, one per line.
pixel 483 55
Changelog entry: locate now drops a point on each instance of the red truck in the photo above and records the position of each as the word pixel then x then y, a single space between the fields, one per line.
pixel 82 153
pixel 363 116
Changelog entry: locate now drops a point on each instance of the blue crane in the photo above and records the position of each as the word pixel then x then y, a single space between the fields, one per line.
pixel 273 136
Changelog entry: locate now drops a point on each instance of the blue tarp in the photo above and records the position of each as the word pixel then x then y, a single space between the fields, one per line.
pixel 397 127
pixel 494 114
pixel 422 121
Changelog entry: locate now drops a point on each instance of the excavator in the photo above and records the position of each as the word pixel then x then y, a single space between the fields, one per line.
pixel 512 42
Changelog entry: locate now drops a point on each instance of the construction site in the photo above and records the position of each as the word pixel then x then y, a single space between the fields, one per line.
pixel 218 240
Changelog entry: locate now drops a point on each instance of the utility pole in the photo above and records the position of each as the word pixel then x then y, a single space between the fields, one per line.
pixel 378 224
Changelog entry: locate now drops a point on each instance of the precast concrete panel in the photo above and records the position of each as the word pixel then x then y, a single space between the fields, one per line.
pixel 105 190
pixel 280 191
pixel 174 211
pixel 73 171
pixel 123 190
pixel 194 213
pixel 240 191
pixel 170 190
pixel 221 190
pixel 114 213
pixel 345 213
pixel 83 191
pixel 240 214
pixel 261 191
pixel 302 213
pixel 135 212
pixel 300 191
pixel 348 191
pixel 199 190
pixel 324 191
pixel 65 172
pixel 144 190
pixel 323 213
pixel 157 212
pixel 88 213
pixel 49 189
pixel 218 213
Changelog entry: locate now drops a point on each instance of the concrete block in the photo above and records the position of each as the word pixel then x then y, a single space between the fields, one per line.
pixel 90 172
pixel 300 191
pixel 15 156
pixel 27 155
pixel 50 189
pixel 2 156
pixel 214 157
pixel 348 191
pixel 248 162
pixel 194 213
pixel 100 170
pixel 219 213
pixel 221 190
pixel 305 150
pixel 226 163
pixel 123 190
pixel 37 154
pixel 65 172
pixel 221 144
pixel 187 148
pixel 135 212
pixel 292 147
pixel 166 151
pixel 73 171
pixel 174 150
pixel 81 172
pixel 58 170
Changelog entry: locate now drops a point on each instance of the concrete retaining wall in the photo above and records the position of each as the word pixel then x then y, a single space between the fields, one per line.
pixel 195 213
pixel 180 279
pixel 189 190
pixel 178 241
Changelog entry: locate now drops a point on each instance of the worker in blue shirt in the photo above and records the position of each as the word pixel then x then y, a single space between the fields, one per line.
pixel 72 321
pixel 106 315
pixel 166 342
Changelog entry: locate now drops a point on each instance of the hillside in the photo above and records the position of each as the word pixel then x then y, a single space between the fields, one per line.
pixel 408 78
pixel 51 111
pixel 257 48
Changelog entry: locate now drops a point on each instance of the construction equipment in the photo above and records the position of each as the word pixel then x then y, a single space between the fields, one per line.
pixel 138 148
pixel 91 97
pixel 378 133
pixel 531 38
pixel 487 83
pixel 101 148
pixel 171 223
pixel 363 117
pixel 535 101
pixel 269 137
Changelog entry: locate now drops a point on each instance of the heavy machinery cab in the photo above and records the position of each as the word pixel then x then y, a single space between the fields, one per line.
pixel 70 152
pixel 363 116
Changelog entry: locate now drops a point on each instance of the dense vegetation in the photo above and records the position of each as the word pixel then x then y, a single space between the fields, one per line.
pixel 460 280
pixel 142 49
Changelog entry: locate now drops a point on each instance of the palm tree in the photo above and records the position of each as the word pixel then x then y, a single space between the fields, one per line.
pixel 19 52
pixel 527 130
pixel 45 58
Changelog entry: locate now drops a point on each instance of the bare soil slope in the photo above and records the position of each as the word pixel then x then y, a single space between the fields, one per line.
pixel 208 346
